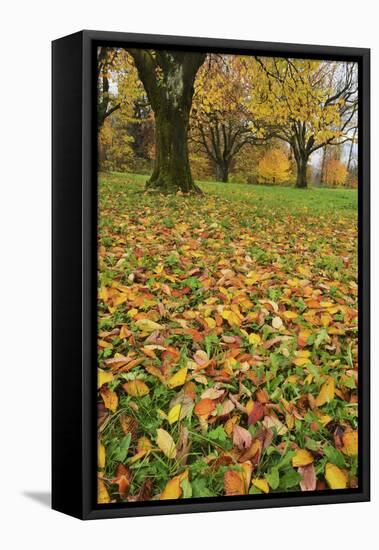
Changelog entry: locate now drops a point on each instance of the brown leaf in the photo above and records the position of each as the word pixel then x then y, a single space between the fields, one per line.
pixel 241 438
pixel 308 477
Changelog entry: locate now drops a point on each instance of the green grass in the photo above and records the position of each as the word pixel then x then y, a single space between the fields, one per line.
pixel 295 201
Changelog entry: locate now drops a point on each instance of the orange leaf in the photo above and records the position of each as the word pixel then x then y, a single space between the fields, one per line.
pixel 110 398
pixel 350 443
pixel 204 407
pixel 173 488
pixel 234 483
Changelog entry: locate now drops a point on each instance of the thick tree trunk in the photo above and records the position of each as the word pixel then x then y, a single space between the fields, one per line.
pixel 301 163
pixel 168 78
pixel 171 168
pixel 222 172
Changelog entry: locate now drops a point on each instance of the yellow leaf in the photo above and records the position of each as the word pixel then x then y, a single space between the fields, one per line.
pixel 104 344
pixel 254 339
pixel 302 458
pixel 166 443
pixel 261 484
pixel 324 419
pixel 350 443
pixel 102 493
pixel 335 477
pixel 173 488
pixel 136 388
pixel 290 421
pixel 110 398
pixel 145 325
pixel 326 393
pixel 174 413
pixel 103 377
pixel 301 361
pixel 210 322
pixel 178 379
pixel 100 455
pixel 249 406
pixel 290 315
pixel 132 312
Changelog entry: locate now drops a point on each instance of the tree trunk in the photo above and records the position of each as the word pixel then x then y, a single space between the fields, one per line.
pixel 351 151
pixel 171 167
pixel 322 171
pixel 168 78
pixel 222 172
pixel 301 162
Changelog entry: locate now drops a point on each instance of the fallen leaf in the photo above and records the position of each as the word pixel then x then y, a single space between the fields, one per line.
pixel 326 393
pixel 173 488
pixel 308 477
pixel 204 407
pixel 242 438
pixel 178 379
pixel 102 493
pixel 256 413
pixel 174 413
pixel 103 377
pixel 201 358
pixel 277 323
pixel 350 443
pixel 145 325
pixel 335 477
pixel 166 443
pixel 110 398
pixel 302 458
pixel 261 484
pixel 234 483
pixel 136 388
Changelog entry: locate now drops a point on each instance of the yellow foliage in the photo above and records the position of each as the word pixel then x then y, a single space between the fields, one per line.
pixel 335 172
pixel 274 167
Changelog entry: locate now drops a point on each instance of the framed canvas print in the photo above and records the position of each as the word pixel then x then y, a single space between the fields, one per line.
pixel 210 274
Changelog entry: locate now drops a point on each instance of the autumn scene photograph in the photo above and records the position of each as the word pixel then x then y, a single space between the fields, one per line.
pixel 227 306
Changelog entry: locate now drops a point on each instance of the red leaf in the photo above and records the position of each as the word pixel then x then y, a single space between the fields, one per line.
pixel 256 413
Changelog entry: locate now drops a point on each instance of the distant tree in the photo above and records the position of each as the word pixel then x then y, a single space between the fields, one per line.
pixel 221 123
pixel 308 104
pixel 335 172
pixel 274 167
pixel 115 149
pixel 117 83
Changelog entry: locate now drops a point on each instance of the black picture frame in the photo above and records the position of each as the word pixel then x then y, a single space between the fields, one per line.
pixel 74 206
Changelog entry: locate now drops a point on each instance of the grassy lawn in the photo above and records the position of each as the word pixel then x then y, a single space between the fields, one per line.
pixel 313 200
pixel 227 340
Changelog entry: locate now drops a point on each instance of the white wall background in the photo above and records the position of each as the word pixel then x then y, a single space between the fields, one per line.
pixel 26 31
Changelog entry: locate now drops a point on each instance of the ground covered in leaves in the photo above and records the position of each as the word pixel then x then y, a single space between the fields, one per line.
pixel 227 360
